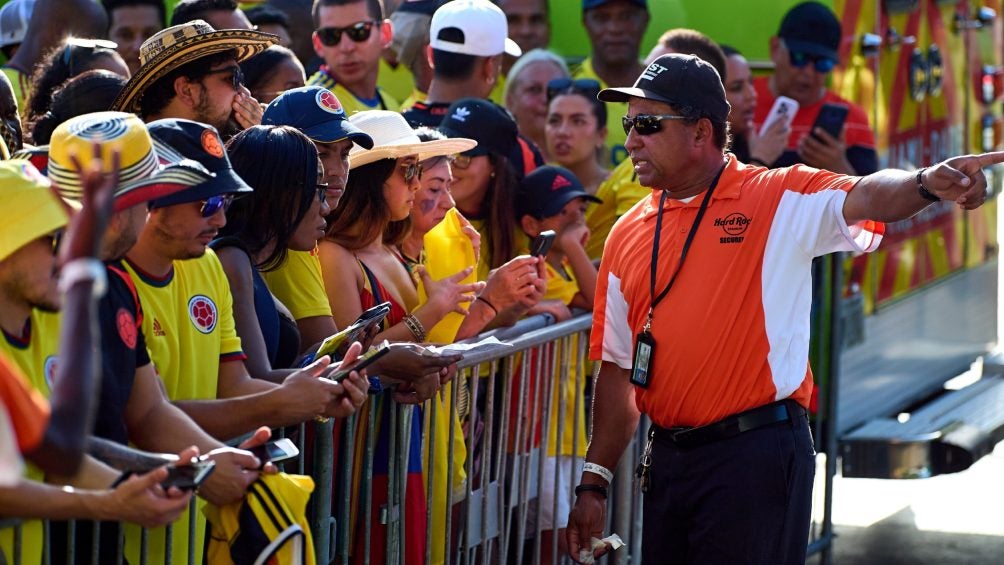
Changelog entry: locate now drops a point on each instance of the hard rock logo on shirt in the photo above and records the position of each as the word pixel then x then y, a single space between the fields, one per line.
pixel 734 226
pixel 202 311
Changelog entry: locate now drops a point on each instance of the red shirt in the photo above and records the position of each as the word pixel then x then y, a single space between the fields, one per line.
pixel 733 333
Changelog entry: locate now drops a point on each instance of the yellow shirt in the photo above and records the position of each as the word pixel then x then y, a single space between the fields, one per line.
pixel 395 81
pixel 349 101
pixel 299 286
pixel 573 431
pixel 36 354
pixel 415 97
pixel 497 95
pixel 615 111
pixel 619 193
pixel 20 85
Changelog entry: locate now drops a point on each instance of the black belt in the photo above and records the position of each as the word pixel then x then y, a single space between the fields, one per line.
pixel 755 418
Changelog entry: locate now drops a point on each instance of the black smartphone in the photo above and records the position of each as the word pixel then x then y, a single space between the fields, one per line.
pixel 542 243
pixel 831 119
pixel 275 451
pixel 365 360
pixel 188 477
pixel 377 312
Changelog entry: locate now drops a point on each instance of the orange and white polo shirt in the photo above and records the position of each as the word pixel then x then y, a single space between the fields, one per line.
pixel 733 333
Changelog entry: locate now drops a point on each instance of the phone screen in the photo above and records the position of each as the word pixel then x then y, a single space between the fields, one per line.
pixel 364 361
pixel 188 477
pixel 275 451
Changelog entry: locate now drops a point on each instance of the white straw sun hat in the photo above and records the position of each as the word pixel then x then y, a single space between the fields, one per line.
pixel 394 138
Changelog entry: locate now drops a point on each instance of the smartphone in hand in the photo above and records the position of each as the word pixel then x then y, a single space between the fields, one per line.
pixel 188 477
pixel 542 243
pixel 275 451
pixel 784 108
pixel 831 119
pixel 364 360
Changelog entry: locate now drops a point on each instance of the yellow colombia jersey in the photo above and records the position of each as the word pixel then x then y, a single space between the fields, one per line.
pixel 615 111
pixel 565 289
pixel 20 84
pixel 299 286
pixel 396 81
pixel 35 354
pixel 520 241
pixel 619 193
pixel 350 103
pixel 188 323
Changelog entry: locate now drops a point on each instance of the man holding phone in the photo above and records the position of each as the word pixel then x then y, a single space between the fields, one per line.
pixel 827 132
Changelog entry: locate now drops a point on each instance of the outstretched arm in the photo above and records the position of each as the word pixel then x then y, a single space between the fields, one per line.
pixel 892 195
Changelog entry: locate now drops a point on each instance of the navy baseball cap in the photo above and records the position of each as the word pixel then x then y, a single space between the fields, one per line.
pixel 812 28
pixel 678 80
pixel 589 4
pixel 199 142
pixel 545 191
pixel 316 112
pixel 483 121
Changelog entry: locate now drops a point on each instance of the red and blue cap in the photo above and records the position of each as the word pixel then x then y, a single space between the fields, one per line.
pixel 315 111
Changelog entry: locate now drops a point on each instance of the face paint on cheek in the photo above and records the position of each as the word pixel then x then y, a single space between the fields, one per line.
pixel 426 205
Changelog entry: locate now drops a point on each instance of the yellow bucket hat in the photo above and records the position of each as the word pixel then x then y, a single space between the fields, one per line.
pixel 30 208
pixel 141 175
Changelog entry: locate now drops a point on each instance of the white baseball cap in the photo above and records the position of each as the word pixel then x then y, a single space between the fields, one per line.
pixel 14 18
pixel 472 27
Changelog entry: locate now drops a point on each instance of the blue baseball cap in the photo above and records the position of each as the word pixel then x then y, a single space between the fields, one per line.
pixel 545 191
pixel 316 112
pixel 590 4
pixel 199 142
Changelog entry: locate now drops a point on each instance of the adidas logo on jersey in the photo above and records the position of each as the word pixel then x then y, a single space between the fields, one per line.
pixel 157 330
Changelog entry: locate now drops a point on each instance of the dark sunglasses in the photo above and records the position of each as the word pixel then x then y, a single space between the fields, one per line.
pixel 55 239
pixel 462 161
pixel 798 59
pixel 411 171
pixel 90 45
pixel 236 79
pixel 214 204
pixel 358 32
pixel 564 84
pixel 647 124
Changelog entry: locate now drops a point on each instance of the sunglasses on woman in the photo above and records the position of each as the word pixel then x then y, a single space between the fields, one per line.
pixel 411 171
pixel 358 32
pixel 91 45
pixel 214 204
pixel 799 59
pixel 647 124
pixel 580 85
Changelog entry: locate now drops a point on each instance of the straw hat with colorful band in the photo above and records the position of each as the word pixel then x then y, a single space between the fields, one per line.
pixel 175 46
pixel 315 111
pixel 141 176
pixel 30 208
pixel 202 143
pixel 394 138
pixel 37 154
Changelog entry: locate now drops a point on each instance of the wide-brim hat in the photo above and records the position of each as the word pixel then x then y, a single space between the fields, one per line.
pixel 30 208
pixel 143 174
pixel 177 45
pixel 394 138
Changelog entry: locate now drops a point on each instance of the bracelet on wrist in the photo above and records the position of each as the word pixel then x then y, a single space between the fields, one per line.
pixel 81 270
pixel 489 304
pixel 415 326
pixel 922 190
pixel 598 489
pixel 600 470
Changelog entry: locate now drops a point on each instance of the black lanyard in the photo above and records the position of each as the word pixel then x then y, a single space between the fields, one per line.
pixel 683 254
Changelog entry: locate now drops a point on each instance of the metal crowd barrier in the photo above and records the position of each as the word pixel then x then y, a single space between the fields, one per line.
pixel 484 486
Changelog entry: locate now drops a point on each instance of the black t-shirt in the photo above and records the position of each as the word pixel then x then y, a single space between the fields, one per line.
pixel 123 349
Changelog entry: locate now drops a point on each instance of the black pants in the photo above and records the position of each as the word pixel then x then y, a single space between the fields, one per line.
pixel 744 499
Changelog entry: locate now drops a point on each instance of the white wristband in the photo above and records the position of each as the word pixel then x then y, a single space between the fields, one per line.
pixel 600 470
pixel 79 270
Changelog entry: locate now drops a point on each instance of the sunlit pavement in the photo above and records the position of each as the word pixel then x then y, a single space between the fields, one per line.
pixel 949 519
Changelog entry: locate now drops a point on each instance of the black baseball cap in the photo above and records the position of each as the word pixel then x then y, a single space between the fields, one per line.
pixel 589 4
pixel 811 27
pixel 202 143
pixel 678 80
pixel 545 191
pixel 483 121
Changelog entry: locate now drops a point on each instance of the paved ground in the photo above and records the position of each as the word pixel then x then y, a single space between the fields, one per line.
pixel 949 519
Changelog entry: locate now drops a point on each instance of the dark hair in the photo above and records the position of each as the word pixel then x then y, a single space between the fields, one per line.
pixel 573 89
pixel 692 42
pixel 729 50
pixel 93 91
pixel 501 207
pixel 453 66
pixel 281 164
pixel 429 134
pixel 362 214
pixel 111 5
pixel 160 92
pixel 188 10
pixel 720 130
pixel 263 14
pixel 373 7
pixel 63 62
pixel 259 68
